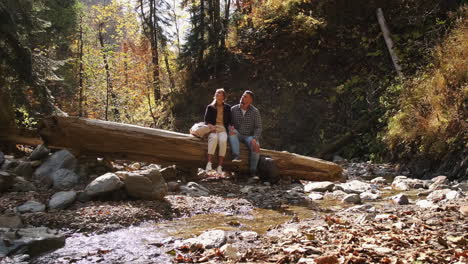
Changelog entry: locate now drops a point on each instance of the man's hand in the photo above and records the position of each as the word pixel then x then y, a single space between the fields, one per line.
pixel 255 145
pixel 231 131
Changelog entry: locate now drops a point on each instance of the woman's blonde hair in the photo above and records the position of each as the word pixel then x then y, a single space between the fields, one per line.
pixel 214 97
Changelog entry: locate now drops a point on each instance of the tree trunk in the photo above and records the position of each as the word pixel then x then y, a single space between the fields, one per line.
pixel 388 41
pixel 130 142
pixel 110 88
pixel 176 24
pixel 81 69
pixel 202 33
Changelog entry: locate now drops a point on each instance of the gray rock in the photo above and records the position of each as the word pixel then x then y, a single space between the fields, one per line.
pixel 338 159
pixel 194 189
pixel 40 152
pixel 323 186
pixel 2 158
pixel 213 238
pixel 249 235
pixel 23 185
pixel 356 186
pixel 6 181
pixel 438 195
pixel 440 180
pixel 438 186
pixel 24 169
pixel 461 187
pixel 426 204
pixel 62 200
pixel 173 186
pixel 9 165
pixel 103 184
pixel 64 179
pixel 315 196
pixel 379 180
pixel 62 159
pixel 10 221
pixel 368 196
pixel 453 195
pixel 31 241
pixel 335 195
pixel 169 173
pixel 246 189
pixel 400 199
pixel 403 183
pixel 31 206
pixel 83 197
pixel 362 208
pixel 231 252
pixel 148 185
pixel 352 198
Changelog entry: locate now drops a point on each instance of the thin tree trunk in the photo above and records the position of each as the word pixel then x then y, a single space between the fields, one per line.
pixel 388 41
pixel 110 90
pixel 168 69
pixel 176 24
pixel 202 32
pixel 225 24
pixel 81 69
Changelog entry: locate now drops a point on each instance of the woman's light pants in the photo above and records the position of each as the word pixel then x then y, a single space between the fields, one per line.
pixel 220 137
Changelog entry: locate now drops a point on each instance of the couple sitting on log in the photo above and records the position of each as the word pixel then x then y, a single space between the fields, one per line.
pixel 242 121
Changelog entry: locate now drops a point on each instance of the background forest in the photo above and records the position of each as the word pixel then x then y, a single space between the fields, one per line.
pixel 323 78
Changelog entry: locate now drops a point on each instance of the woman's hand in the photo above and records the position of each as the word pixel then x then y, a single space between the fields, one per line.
pixel 212 128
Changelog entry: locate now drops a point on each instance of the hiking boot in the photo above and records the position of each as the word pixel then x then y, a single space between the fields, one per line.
pixel 236 159
pixel 219 170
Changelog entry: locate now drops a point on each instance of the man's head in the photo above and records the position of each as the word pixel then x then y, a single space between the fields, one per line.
pixel 247 98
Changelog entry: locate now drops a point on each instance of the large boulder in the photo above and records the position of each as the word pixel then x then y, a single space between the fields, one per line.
pixel 103 184
pixel 40 152
pixel 64 179
pixel 31 207
pixel 62 200
pixel 32 241
pixel 147 184
pixel 62 159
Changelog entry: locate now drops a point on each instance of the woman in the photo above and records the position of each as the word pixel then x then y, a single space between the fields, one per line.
pixel 218 119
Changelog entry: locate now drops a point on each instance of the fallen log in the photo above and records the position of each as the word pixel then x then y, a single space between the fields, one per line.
pixel 131 142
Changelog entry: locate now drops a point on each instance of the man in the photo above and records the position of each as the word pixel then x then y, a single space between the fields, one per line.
pixel 246 128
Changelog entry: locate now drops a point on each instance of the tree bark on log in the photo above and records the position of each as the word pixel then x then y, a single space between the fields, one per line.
pixel 130 142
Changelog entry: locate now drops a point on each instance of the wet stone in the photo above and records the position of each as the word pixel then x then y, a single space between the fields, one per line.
pixel 61 200
pixel 319 186
pixel 352 198
pixel 22 185
pixel 400 199
pixel 31 206
pixel 40 152
pixel 379 180
pixel 315 196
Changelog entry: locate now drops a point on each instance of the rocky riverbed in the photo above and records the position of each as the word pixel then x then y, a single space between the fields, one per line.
pixel 90 210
